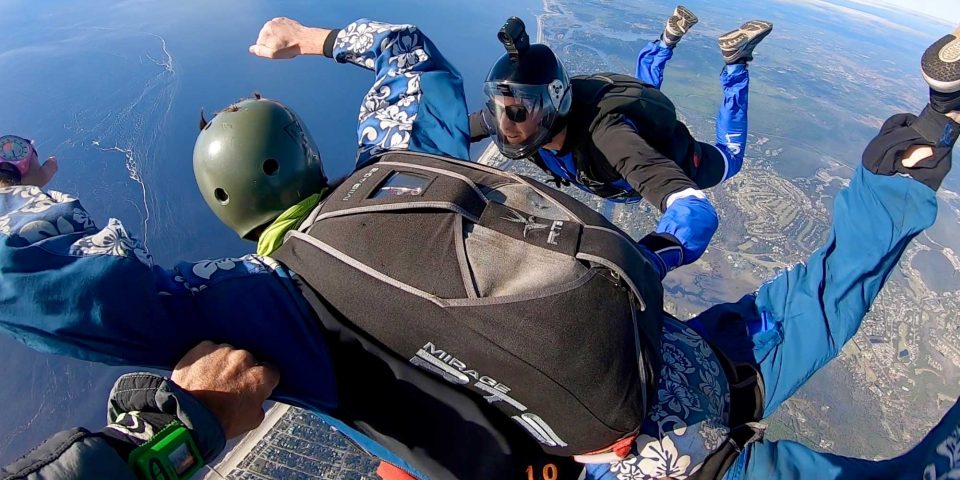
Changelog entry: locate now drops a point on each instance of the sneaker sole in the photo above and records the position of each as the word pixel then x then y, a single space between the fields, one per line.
pixel 748 35
pixel 680 22
pixel 686 15
pixel 940 64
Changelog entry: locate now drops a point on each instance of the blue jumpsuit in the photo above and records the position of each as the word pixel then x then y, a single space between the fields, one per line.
pixel 71 288
pixel 732 116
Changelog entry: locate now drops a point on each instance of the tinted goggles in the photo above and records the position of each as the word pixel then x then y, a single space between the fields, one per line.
pixel 517 113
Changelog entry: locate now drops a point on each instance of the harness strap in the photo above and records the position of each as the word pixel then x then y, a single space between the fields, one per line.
pixel 746 411
pixel 538 161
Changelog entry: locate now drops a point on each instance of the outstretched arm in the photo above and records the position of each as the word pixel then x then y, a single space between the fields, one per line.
pixel 416 102
pixel 891 199
pixel 70 288
pixel 689 219
pixel 215 393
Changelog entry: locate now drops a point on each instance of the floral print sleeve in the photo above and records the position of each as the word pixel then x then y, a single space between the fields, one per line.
pixel 71 288
pixel 416 102
pixel 687 423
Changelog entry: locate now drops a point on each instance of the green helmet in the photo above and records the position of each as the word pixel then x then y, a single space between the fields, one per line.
pixel 253 161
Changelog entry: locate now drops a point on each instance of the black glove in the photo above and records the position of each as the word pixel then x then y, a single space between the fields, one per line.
pixel 666 250
pixel 478 128
pixel 900 132
pixel 944 102
pixel 155 402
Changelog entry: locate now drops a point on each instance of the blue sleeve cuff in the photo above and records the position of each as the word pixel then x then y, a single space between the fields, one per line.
pixel 663 250
pixel 692 221
pixel 656 260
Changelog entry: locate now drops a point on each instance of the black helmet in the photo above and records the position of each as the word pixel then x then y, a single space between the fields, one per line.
pixel 528 94
pixel 254 160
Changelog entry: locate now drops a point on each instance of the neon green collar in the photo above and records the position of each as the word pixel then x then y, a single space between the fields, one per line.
pixel 272 237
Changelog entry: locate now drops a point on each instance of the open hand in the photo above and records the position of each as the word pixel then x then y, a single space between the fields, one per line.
pixel 229 382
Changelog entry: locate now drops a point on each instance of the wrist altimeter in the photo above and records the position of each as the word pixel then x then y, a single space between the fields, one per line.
pixel 16 154
pixel 171 454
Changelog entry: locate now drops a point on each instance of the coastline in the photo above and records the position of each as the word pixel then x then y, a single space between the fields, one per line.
pixel 548 11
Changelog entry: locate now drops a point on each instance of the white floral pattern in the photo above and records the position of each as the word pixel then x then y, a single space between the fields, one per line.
pixel 408 60
pixel 950 449
pixel 39 230
pixel 38 204
pixel 206 269
pixel 376 99
pixel 679 398
pixel 692 411
pixel 676 365
pixel 35 216
pixel 389 109
pixel 357 43
pixel 661 459
pixel 22 191
pixel 196 277
pixel 658 459
pixel 61 197
pixel 82 218
pixel 713 433
pixel 112 240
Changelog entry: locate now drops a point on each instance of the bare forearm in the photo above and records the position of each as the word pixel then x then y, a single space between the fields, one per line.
pixel 312 39
pixel 286 38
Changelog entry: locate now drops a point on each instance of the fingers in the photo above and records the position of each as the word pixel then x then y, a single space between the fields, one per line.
pixel 40 175
pixel 49 169
pixel 278 38
pixel 273 52
pixel 263 51
pixel 266 377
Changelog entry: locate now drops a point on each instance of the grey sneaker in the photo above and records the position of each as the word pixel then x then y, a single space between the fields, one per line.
pixel 941 64
pixel 737 46
pixel 678 24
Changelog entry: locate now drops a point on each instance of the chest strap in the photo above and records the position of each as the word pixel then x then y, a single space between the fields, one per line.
pixel 746 411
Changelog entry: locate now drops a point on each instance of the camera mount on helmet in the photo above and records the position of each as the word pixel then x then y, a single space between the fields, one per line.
pixel 513 36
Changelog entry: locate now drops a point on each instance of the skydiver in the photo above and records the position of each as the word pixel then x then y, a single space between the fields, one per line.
pixel 618 138
pixel 102 282
pixel 101 298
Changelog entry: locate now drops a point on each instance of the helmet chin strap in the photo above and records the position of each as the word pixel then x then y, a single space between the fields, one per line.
pixel 558 125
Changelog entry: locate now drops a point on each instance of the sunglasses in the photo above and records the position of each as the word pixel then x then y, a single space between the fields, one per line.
pixel 515 113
